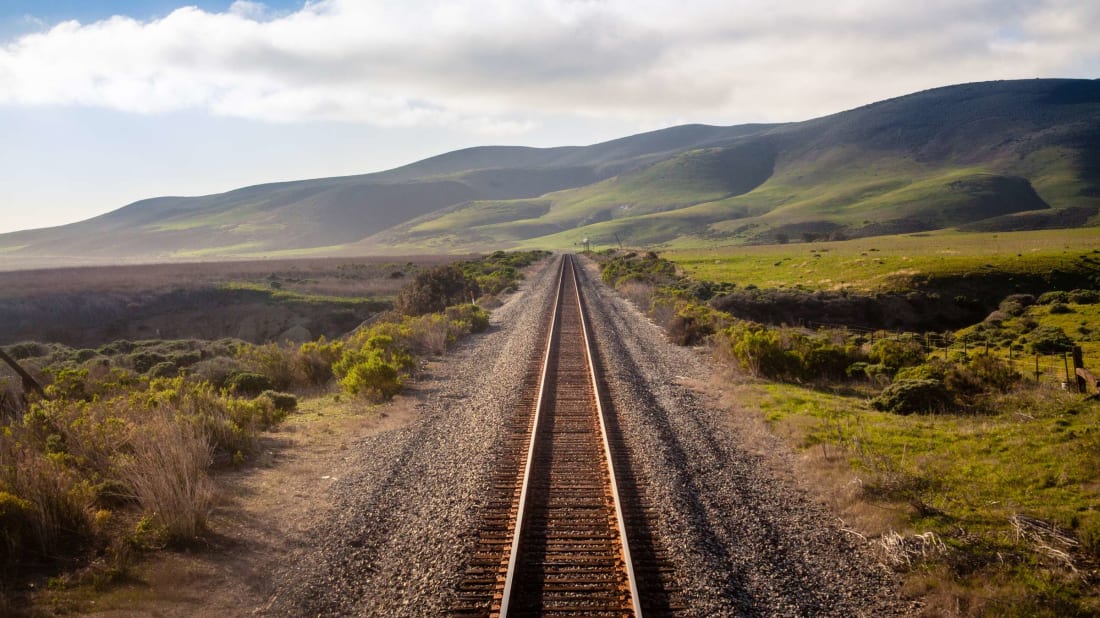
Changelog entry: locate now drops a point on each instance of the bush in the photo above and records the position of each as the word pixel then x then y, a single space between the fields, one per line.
pixel 247 383
pixel 434 290
pixel 26 349
pixel 1057 308
pixel 643 268
pixel 283 402
pixel 167 369
pixel 468 318
pixel 913 396
pixel 216 371
pixel 278 363
pixel 1049 298
pixel 142 362
pixel 371 375
pixel 1049 340
pixel 1084 297
pixel 897 353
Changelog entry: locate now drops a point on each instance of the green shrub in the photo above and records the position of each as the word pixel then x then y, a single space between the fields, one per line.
pixel 759 350
pixel 1084 297
pixel 434 290
pixel 247 383
pixel 283 402
pixel 1049 340
pixel 933 370
pixel 372 376
pixel 167 369
pixel 26 349
pixel 982 373
pixel 471 318
pixel 913 396
pixel 1049 298
pixel 1057 308
pixel 142 362
pixel 897 353
pixel 216 371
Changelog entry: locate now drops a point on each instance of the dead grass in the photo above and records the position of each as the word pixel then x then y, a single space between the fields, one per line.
pixel 166 470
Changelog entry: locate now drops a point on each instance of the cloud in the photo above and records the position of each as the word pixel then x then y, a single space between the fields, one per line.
pixel 502 65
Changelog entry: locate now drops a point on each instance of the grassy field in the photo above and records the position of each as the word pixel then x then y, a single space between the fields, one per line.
pixel 984 501
pixel 893 263
pixel 981 484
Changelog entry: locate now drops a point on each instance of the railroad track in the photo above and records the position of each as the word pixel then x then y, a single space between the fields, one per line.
pixel 566 530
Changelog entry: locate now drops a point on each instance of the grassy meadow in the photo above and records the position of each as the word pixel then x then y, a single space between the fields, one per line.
pixel 894 263
pixel 973 478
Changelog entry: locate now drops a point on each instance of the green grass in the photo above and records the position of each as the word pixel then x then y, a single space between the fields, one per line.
pixel 890 263
pixel 296 297
pixel 969 475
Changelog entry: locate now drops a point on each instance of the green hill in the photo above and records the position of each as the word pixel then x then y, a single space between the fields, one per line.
pixel 988 156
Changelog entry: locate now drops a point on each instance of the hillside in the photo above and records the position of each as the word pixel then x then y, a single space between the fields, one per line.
pixel 989 156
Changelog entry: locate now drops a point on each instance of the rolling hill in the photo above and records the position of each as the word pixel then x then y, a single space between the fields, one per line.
pixel 986 156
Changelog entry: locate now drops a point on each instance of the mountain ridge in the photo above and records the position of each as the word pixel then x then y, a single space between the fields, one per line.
pixel 1002 153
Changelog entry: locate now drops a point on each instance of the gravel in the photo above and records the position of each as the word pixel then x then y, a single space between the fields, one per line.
pixel 742 541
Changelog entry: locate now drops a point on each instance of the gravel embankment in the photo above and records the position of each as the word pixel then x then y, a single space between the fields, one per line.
pixel 743 542
pixel 405 517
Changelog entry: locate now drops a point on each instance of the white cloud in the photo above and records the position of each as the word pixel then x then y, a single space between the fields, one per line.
pixel 501 65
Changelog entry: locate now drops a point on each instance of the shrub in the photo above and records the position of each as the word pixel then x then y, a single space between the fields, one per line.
pixel 1084 297
pixel 434 290
pixel 216 371
pixel 913 396
pixel 1049 340
pixel 47 505
pixel 1057 308
pixel 278 363
pixel 284 402
pixel 247 383
pixel 315 359
pixel 167 369
pixel 26 349
pixel 371 375
pixel 897 353
pixel 142 362
pixel 1049 298
pixel 982 373
pixel 468 318
pixel 760 351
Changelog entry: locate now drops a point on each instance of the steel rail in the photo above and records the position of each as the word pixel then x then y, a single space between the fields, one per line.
pixel 634 596
pixel 513 555
pixel 552 341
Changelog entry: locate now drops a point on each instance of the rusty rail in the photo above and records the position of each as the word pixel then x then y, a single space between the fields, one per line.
pixel 556 536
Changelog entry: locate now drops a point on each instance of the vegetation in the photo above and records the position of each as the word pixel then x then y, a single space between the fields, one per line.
pixel 120 454
pixel 983 474
pixel 993 157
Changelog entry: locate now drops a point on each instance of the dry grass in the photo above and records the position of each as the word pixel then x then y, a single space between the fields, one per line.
pixel 166 470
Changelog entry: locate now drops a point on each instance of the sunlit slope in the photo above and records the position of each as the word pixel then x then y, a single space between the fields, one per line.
pixel 994 156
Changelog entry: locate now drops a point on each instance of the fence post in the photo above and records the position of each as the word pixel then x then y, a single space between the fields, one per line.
pixel 1079 363
pixel 1036 367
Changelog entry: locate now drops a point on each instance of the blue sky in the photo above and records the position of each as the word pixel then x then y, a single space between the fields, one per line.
pixel 105 103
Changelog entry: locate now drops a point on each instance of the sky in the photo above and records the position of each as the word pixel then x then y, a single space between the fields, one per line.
pixel 105 103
